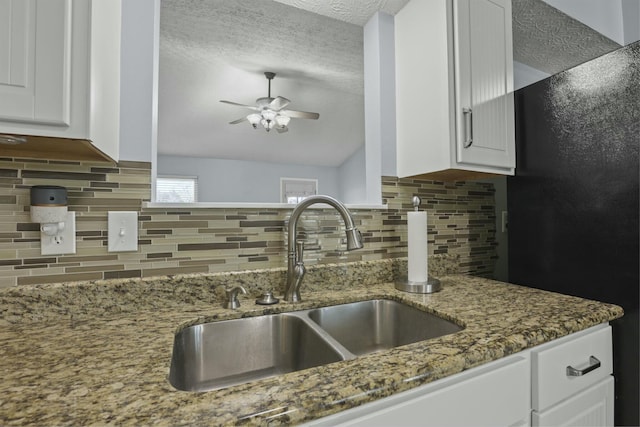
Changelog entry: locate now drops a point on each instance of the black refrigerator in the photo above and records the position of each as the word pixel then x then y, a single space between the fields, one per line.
pixel 574 201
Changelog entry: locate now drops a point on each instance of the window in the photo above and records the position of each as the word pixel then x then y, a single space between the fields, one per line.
pixel 177 189
pixel 294 190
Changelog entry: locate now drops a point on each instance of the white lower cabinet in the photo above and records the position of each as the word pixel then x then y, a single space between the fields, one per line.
pixel 495 394
pixel 591 407
pixel 571 380
pixel 555 384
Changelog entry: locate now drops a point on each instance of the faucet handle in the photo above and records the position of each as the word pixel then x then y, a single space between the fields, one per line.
pixel 232 297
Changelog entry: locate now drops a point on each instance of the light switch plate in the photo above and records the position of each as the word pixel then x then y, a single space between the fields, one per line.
pixel 123 231
pixel 62 243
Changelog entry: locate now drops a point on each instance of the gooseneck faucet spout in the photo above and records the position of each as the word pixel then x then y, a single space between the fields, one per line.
pixel 295 265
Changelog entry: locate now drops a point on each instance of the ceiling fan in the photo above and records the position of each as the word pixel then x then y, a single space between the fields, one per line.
pixel 270 112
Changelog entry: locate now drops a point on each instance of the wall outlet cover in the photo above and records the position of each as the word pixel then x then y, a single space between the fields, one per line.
pixel 62 243
pixel 123 231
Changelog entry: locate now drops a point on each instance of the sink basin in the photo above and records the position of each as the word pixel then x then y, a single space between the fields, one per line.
pixel 225 353
pixel 369 326
pixel 220 354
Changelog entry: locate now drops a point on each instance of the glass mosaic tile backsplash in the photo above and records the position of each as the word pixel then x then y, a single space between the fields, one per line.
pixel 178 241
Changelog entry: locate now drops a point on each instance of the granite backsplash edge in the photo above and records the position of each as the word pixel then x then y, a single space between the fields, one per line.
pixel 90 299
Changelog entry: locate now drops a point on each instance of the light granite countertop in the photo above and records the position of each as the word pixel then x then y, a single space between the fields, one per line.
pixel 99 354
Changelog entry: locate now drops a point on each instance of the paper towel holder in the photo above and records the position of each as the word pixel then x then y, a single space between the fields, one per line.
pixel 429 286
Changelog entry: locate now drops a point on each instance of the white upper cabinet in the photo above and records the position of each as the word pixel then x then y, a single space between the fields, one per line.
pixel 454 88
pixel 60 70
pixel 35 88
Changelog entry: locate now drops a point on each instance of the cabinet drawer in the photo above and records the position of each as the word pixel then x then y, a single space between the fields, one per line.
pixel 589 353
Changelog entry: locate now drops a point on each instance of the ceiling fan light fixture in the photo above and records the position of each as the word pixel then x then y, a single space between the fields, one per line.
pixel 254 119
pixel 267 124
pixel 282 121
pixel 271 112
pixel 269 115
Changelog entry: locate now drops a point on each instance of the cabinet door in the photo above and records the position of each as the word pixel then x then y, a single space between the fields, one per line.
pixel 485 129
pixel 497 394
pixel 551 382
pixel 592 407
pixel 35 46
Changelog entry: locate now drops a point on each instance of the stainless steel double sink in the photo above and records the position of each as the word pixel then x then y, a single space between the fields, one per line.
pixel 221 354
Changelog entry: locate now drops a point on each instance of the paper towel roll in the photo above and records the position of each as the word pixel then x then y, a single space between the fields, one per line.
pixel 417 236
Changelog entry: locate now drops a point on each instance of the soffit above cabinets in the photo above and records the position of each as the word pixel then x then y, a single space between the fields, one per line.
pixel 551 41
pixel 354 12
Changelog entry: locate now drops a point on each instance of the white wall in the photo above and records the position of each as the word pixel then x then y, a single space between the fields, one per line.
pixel 380 86
pixel 138 80
pixel 379 100
pixel 351 178
pixel 524 75
pixel 631 19
pixel 221 180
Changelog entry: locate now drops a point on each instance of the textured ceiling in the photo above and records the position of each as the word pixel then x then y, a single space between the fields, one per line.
pixel 264 35
pixel 551 41
pixel 218 49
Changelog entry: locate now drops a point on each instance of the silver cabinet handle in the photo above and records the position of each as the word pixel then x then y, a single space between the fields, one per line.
pixel 593 365
pixel 468 127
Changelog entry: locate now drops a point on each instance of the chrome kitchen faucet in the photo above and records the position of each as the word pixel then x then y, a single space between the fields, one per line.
pixel 295 264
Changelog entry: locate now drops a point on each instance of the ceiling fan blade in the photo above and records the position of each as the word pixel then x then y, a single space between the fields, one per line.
pixel 300 114
pixel 239 105
pixel 235 122
pixel 279 103
pixel 282 129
